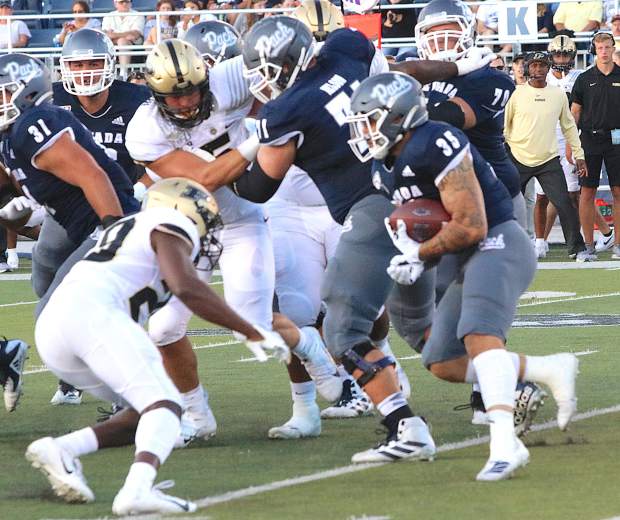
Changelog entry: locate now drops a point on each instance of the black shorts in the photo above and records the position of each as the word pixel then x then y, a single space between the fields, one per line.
pixel 610 154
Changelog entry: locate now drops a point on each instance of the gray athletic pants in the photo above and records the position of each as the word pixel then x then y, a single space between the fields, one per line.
pixel 356 283
pixel 483 297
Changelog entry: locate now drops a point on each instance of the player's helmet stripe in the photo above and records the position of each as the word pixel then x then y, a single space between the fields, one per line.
pixel 319 16
pixel 175 61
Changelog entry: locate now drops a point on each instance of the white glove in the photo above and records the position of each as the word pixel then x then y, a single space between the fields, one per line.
pixel 406 245
pixel 17 208
pixel 405 271
pixel 475 58
pixel 272 345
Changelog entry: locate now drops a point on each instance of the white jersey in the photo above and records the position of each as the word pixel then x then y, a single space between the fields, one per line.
pixel 299 189
pixel 151 136
pixel 122 268
pixel 566 83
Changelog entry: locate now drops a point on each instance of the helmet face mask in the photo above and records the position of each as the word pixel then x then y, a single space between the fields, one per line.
pixel 367 141
pixel 83 46
pixel 456 36
pixel 276 50
pixel 24 82
pixel 174 70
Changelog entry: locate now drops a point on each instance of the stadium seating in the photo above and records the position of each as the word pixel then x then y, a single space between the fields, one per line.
pixel 58 7
pixel 143 5
pixel 32 23
pixel 103 6
pixel 42 37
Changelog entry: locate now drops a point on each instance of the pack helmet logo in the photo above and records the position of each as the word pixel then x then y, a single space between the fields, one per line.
pixel 219 40
pixel 271 45
pixel 22 71
pixel 383 92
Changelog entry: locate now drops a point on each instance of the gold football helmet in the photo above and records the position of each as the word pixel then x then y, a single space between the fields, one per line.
pixel 562 51
pixel 321 17
pixel 177 76
pixel 196 203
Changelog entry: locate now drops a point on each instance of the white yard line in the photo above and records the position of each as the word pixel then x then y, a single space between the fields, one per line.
pixel 336 472
pixel 585 353
pixel 407 358
pixel 214 345
pixel 575 265
pixel 18 303
pixel 574 299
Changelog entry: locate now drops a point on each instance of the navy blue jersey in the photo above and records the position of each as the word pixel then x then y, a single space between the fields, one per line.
pixel 313 111
pixel 109 124
pixel 434 149
pixel 37 129
pixel 486 91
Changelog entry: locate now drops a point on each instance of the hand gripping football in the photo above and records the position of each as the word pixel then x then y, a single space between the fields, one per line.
pixel 424 218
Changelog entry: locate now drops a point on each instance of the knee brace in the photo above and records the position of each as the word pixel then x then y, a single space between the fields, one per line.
pixel 353 359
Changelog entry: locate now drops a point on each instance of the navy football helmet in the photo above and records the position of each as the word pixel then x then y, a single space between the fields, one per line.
pixel 216 41
pixel 24 82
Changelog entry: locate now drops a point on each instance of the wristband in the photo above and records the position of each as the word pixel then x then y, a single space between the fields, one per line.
pixel 249 148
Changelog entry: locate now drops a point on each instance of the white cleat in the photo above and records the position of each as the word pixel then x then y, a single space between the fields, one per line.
pixel 142 500
pixel 479 418
pixel 413 442
pixel 194 426
pixel 587 255
pixel 322 368
pixel 299 425
pixel 504 469
pixel 562 386
pixel 71 397
pixel 13 354
pixel 63 471
pixel 604 243
pixel 353 403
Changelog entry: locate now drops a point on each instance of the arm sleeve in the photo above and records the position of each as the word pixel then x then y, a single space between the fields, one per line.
pixel 255 185
pixel 569 129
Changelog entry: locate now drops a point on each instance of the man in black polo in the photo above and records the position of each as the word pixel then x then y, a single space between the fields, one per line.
pixel 596 98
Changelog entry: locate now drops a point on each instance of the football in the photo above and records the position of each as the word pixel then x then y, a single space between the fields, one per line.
pixel 424 218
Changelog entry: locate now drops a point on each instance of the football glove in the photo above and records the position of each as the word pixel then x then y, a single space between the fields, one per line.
pixel 272 345
pixel 18 208
pixel 475 58
pixel 405 271
pixel 402 241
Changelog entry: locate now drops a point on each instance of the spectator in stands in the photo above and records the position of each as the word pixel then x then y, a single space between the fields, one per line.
pixel 398 23
pixel 531 116
pixel 544 16
pixel 189 20
pixel 614 24
pixel 167 24
pixel 518 69
pixel 16 32
pixel 498 63
pixel 579 16
pixel 243 22
pixel 78 7
pixel 487 21
pixel 124 29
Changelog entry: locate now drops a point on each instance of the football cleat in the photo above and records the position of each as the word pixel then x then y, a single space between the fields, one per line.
pixel 587 255
pixel 615 254
pixel 413 441
pixel 306 424
pixel 4 268
pixel 131 500
pixel 562 386
pixel 529 397
pixel 71 396
pixel 12 260
pixel 63 471
pixel 321 367
pixel 504 469
pixel 353 403
pixel 194 426
pixel 604 243
pixel 12 358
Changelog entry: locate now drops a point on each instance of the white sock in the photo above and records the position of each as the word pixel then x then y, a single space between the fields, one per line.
pixel 343 373
pixel 157 431
pixel 540 241
pixel 471 377
pixel 11 252
pixel 304 394
pixel 540 369
pixel 141 474
pixel 308 338
pixel 196 400
pixel 392 402
pixel 80 442
pixel 501 424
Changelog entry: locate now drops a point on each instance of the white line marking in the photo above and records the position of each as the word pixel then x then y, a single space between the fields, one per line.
pixel 562 300
pixel 213 345
pixel 407 358
pixel 18 303
pixel 575 265
pixel 14 277
pixel 36 370
pixel 585 352
pixel 336 472
pixel 540 295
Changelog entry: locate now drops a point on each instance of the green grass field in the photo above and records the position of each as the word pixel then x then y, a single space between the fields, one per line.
pixel 573 475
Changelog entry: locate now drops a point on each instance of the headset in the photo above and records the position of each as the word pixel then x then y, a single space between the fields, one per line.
pixel 607 35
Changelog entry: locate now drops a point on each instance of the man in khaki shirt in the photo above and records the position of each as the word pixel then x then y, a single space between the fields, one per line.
pixel 531 116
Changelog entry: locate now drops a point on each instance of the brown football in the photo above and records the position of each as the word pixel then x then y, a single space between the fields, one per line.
pixel 424 218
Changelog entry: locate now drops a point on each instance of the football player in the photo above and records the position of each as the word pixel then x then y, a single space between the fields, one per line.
pixel 416 157
pixel 216 41
pixel 303 123
pixel 105 106
pixel 12 358
pixel 41 145
pixel 134 268
pixel 194 122
pixel 562 51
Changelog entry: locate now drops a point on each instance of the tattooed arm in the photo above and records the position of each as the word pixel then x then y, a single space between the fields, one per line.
pixel 462 197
